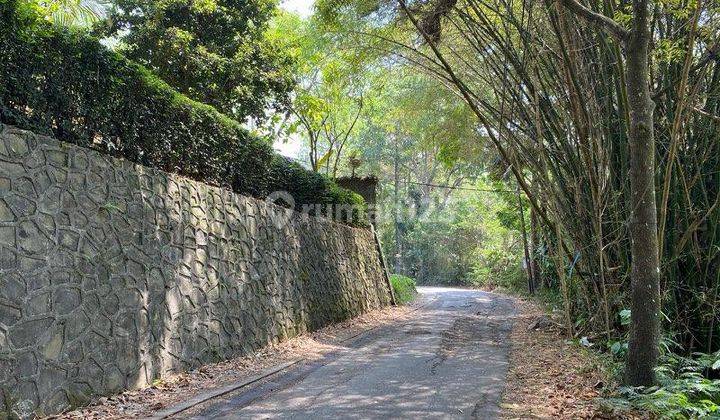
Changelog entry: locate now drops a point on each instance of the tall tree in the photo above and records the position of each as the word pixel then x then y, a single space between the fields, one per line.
pixel 645 277
pixel 214 51
pixel 327 103
pixel 82 13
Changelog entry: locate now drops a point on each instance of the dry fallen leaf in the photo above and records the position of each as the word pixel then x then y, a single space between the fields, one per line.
pixel 545 376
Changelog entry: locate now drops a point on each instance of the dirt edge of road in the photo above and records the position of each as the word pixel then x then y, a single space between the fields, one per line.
pixel 549 377
pixel 178 388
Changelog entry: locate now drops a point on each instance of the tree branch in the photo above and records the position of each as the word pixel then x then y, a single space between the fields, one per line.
pixel 707 114
pixel 611 27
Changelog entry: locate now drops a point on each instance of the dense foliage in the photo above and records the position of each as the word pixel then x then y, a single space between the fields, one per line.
pixel 548 91
pixel 316 194
pixel 329 100
pixel 441 221
pixel 65 83
pixel 214 51
pixel 685 390
pixel 357 112
pixel 77 13
pixel 472 239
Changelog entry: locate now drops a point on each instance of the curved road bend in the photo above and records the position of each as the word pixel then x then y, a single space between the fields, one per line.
pixel 449 361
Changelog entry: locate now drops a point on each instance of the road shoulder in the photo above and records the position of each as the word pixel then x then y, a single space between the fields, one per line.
pixel 549 377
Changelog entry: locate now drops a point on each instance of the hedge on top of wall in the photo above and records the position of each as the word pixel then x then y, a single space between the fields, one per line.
pixel 66 84
pixel 307 187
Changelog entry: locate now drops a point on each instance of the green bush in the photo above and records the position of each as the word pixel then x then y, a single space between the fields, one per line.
pixel 307 187
pixel 404 288
pixel 64 83
pixel 498 267
pixel 687 388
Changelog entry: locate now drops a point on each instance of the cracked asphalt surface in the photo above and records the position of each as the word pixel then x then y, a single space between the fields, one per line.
pixel 449 361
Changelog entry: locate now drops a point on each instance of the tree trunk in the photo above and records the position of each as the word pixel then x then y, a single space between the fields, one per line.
pixel 645 329
pixel 534 243
pixel 396 209
pixel 523 232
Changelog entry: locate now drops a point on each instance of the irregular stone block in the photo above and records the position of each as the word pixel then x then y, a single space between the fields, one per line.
pixel 66 299
pixel 28 333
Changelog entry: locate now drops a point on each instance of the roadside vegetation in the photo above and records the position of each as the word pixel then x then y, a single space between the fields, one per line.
pixel 404 288
pixel 686 388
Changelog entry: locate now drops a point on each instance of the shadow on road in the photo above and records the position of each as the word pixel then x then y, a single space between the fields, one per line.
pixel 450 360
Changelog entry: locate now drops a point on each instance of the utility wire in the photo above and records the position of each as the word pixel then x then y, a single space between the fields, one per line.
pixel 450 187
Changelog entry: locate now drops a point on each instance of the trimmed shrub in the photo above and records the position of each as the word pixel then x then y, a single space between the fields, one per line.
pixel 64 83
pixel 310 188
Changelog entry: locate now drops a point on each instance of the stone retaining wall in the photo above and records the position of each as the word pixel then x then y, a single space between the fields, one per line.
pixel 113 274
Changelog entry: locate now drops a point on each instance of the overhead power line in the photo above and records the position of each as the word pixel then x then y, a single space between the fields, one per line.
pixel 451 187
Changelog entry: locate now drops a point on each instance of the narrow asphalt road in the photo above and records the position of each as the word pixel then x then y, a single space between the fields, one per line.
pixel 449 361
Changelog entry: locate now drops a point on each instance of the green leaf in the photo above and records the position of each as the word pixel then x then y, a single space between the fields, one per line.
pixel 625 316
pixel 324 158
pixel 110 206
